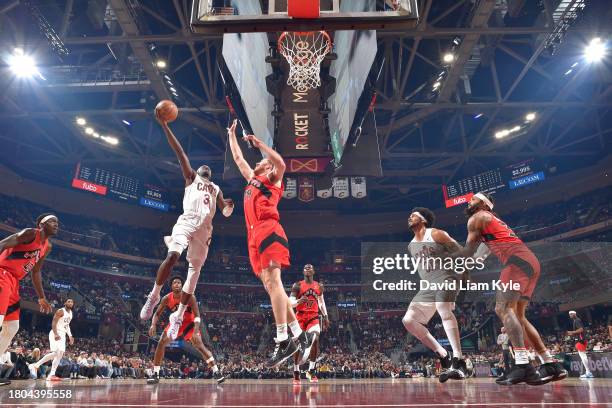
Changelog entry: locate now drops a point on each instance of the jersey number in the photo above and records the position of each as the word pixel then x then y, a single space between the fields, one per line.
pixel 510 232
pixel 207 199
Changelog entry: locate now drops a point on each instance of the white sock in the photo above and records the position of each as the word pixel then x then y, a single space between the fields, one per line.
pixel 545 357
pixel 281 332
pixel 215 368
pixel 56 362
pixel 452 332
pixel 312 365
pixel 181 310
pixel 296 367
pixel 46 357
pixel 156 369
pixel 156 289
pixel 521 356
pixel 585 361
pixel 295 328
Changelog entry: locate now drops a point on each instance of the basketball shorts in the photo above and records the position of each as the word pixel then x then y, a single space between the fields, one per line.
pixel 582 346
pixel 185 331
pixel 522 268
pixel 424 311
pixel 57 345
pixel 194 238
pixel 9 295
pixel 267 242
pixel 309 323
pixel 430 295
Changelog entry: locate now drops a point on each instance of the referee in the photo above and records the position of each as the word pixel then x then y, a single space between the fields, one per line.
pixel 504 341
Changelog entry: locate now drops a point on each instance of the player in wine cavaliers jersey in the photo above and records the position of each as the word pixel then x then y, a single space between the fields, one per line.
pixel 267 243
pixel 189 331
pixel 20 254
pixel 520 266
pixel 307 298
pixel 192 231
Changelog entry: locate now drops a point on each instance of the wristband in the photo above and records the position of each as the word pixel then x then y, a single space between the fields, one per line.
pixel 197 320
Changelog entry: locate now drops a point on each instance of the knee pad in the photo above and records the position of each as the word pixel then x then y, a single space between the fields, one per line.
pixel 191 282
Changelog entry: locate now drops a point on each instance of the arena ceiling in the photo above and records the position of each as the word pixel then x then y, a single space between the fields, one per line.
pixel 98 59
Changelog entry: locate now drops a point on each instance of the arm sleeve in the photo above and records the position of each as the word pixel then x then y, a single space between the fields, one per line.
pixel 322 307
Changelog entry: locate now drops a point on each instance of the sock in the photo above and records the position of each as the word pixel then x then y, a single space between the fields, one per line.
pixel 585 361
pixel 55 363
pixel 545 357
pixel 295 328
pixel 312 365
pixel 181 310
pixel 521 356
pixel 156 370
pixel 46 357
pixel 296 368
pixel 452 332
pixel 156 289
pixel 281 332
pixel 215 368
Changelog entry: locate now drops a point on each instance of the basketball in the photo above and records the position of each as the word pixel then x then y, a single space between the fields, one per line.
pixel 166 111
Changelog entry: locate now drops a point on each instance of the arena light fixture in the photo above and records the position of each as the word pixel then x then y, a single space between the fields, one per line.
pixel 81 121
pixel 530 117
pixel 595 51
pixel 89 131
pixel 126 122
pixel 478 115
pixel 502 133
pixel 448 57
pixel 22 65
pixel 161 64
pixel 110 140
pixel 95 134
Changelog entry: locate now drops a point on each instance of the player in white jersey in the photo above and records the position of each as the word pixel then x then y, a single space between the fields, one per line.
pixel 428 241
pixel 60 328
pixel 192 231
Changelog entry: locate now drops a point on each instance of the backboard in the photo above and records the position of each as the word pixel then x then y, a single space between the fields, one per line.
pixel 243 16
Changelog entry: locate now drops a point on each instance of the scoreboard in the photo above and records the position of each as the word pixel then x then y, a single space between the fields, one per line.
pixel 118 186
pixel 514 176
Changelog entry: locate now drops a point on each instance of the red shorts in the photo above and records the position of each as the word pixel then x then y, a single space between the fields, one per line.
pixel 267 242
pixel 307 321
pixel 582 347
pixel 524 269
pixel 185 331
pixel 9 295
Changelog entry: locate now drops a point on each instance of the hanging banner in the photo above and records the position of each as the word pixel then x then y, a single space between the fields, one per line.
pixel 358 187
pixel 290 188
pixel 324 192
pixel 341 187
pixel 306 188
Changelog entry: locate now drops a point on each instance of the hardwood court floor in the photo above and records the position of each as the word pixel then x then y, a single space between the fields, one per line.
pixel 479 392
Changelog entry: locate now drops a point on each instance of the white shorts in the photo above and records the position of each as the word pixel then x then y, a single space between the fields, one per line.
pixel 195 239
pixel 57 345
pixel 424 311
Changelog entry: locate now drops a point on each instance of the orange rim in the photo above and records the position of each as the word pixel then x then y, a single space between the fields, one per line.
pixel 304 33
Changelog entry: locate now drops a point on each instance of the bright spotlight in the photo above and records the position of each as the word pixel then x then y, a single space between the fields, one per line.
pixel 89 131
pixel 22 65
pixel 448 57
pixel 161 64
pixel 530 116
pixel 595 51
pixel 436 85
pixel 95 134
pixel 126 122
pixel 81 121
pixel 111 140
pixel 502 133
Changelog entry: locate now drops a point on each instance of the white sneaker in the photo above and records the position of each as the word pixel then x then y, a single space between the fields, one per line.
pixel 587 375
pixel 175 324
pixel 147 309
pixel 33 371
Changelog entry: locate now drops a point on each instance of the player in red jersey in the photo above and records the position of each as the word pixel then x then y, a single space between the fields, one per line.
pixel 307 298
pixel 520 266
pixel 20 254
pixel 267 242
pixel 189 331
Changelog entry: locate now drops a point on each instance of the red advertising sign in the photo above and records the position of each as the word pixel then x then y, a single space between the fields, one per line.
pixel 464 199
pixel 88 186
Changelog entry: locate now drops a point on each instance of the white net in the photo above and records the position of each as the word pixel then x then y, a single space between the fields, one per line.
pixel 304 51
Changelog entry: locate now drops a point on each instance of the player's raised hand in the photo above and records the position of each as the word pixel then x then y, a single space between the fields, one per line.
pixel 325 323
pixel 232 129
pixel 254 140
pixel 45 307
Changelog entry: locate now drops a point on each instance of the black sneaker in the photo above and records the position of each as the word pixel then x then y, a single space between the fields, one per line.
pixel 521 373
pixel 457 371
pixel 552 371
pixel 446 362
pixel 4 381
pixel 218 376
pixel 304 344
pixel 282 352
pixel 153 380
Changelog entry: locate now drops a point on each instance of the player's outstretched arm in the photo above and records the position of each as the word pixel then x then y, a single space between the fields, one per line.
pixel 243 166
pixel 45 307
pixel 225 205
pixel 277 160
pixel 188 173
pixel 22 237
pixel 476 224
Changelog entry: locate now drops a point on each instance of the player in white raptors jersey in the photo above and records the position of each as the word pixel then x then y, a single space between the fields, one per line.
pixel 60 328
pixel 428 241
pixel 192 231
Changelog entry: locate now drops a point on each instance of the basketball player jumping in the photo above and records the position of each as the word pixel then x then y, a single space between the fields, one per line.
pixel 193 230
pixel 60 328
pixel 189 331
pixel 523 268
pixel 427 240
pixel 267 242
pixel 20 254
pixel 307 298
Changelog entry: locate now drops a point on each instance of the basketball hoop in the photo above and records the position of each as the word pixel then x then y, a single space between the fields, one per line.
pixel 304 52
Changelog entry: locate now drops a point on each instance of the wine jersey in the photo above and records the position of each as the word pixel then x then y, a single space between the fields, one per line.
pixel 21 259
pixel 200 201
pixel 261 198
pixel 173 306
pixel 311 291
pixel 501 240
